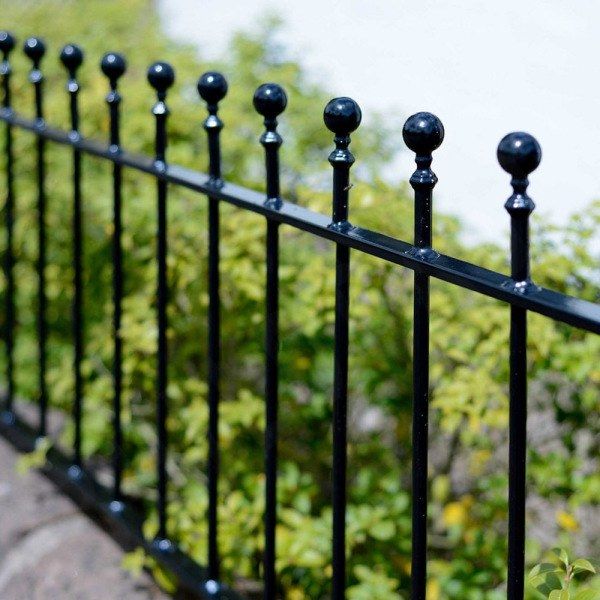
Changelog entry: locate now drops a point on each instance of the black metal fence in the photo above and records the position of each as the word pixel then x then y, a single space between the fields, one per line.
pixel 518 153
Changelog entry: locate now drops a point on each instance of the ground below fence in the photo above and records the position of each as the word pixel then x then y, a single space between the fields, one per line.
pixel 50 549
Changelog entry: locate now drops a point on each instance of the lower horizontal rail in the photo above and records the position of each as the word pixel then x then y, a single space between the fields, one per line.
pixel 570 310
pixel 125 527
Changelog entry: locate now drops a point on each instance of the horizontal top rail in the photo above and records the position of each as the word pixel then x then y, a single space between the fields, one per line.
pixel 562 307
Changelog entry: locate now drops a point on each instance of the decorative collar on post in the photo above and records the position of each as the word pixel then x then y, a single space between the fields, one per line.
pixel 35 49
pixel 114 66
pixel 270 101
pixel 212 87
pixel 519 154
pixel 342 116
pixel 423 133
pixel 161 77
pixel 71 57
pixel 7 44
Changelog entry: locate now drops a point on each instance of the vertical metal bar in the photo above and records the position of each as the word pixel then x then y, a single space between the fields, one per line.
pixel 517 458
pixel 161 77
pixel 342 116
pixel 519 154
pixel 212 88
pixel 423 133
pixel 214 335
pixel 271 406
pixel 340 410
pixel 270 101
pixel 7 44
pixel 114 66
pixel 35 49
pixel 72 57
pixel 420 427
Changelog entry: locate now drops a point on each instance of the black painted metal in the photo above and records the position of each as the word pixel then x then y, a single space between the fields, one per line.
pixel 35 49
pixel 518 153
pixel 270 101
pixel 72 57
pixel 114 66
pixel 161 77
pixel 561 307
pixel 423 133
pixel 342 116
pixel 212 88
pixel 7 44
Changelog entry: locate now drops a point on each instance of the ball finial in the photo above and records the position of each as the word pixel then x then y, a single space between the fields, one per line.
pixel 519 154
pixel 34 48
pixel 113 65
pixel 342 116
pixel 269 100
pixel 7 42
pixel 161 76
pixel 212 87
pixel 71 57
pixel 423 132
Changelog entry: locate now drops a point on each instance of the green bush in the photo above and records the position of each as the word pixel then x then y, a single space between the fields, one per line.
pixel 559 578
pixel 469 354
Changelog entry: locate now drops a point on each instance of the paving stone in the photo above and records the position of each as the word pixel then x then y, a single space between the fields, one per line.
pixel 51 550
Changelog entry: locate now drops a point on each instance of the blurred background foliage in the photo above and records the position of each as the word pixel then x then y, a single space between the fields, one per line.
pixel 469 351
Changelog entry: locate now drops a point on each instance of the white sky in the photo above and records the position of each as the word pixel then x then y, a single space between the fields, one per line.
pixel 484 67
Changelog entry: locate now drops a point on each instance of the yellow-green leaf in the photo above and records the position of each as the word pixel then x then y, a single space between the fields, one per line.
pixel 581 564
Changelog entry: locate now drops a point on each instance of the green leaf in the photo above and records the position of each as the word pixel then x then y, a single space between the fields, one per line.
pixel 134 561
pixel 562 556
pixel 544 568
pixel 559 595
pixel 384 530
pixel 35 459
pixel 587 594
pixel 581 564
pixel 165 579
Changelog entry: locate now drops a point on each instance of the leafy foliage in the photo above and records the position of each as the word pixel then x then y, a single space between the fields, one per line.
pixel 469 354
pixel 556 580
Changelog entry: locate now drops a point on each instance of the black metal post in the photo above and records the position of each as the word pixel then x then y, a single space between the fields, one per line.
pixel 519 154
pixel 161 77
pixel 7 44
pixel 114 66
pixel 270 101
pixel 212 88
pixel 423 133
pixel 342 116
pixel 72 57
pixel 35 49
